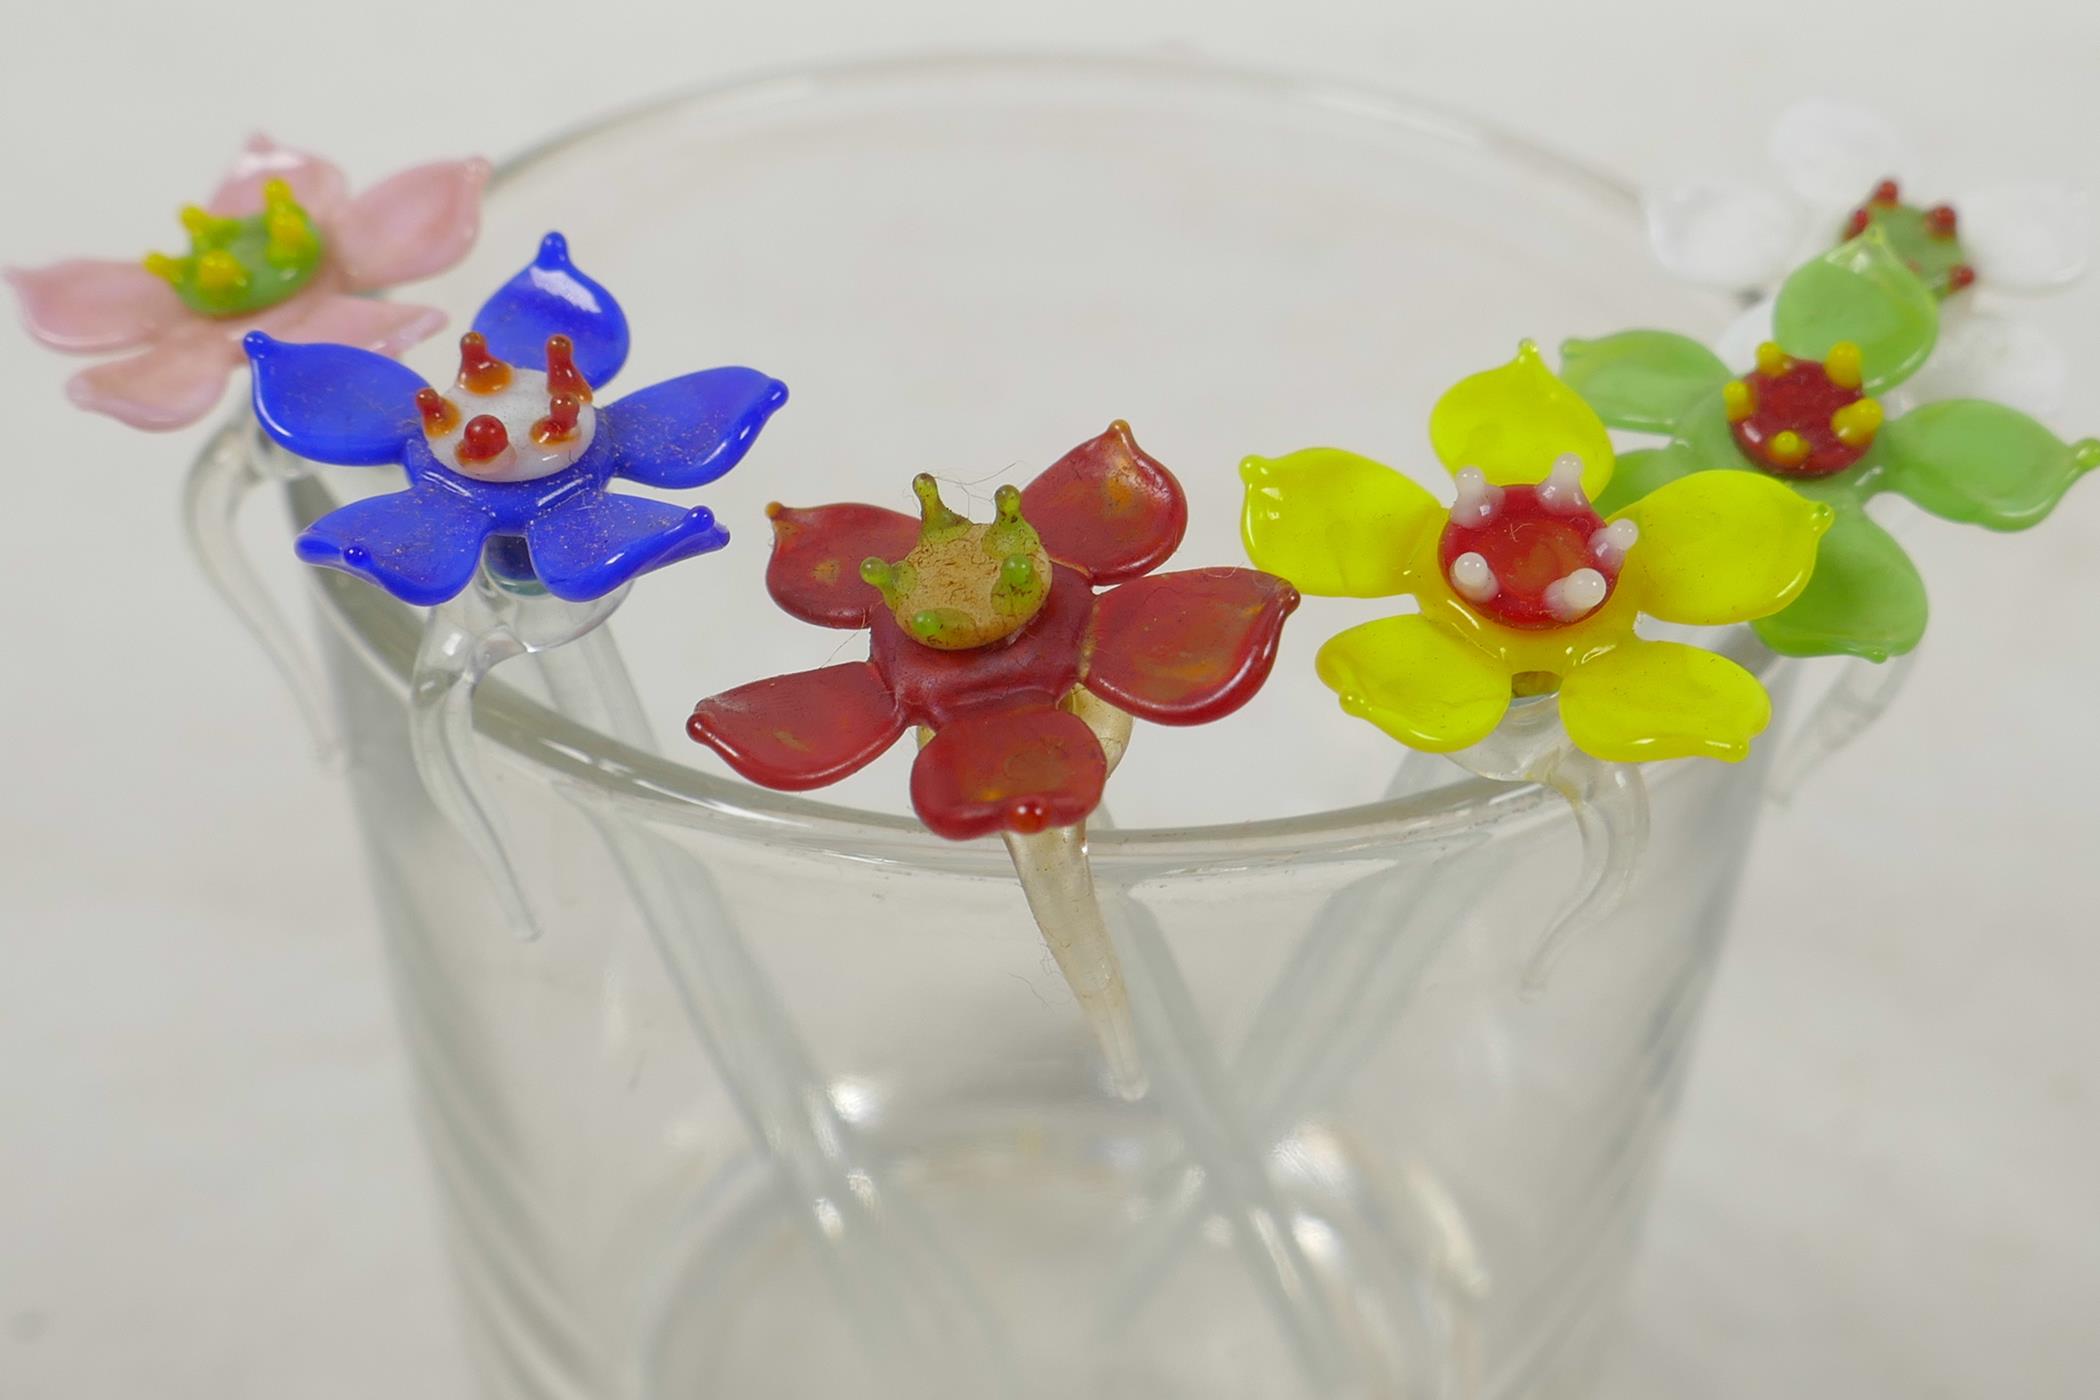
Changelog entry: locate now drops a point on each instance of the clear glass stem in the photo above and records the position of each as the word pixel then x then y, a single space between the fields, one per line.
pixel 1059 885
pixel 235 460
pixel 1861 693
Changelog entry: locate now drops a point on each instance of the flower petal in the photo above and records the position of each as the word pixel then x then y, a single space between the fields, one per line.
pixel 1722 546
pixel 368 323
pixel 1514 420
pixel 1737 345
pixel 1980 463
pixel 2028 237
pixel 1022 769
pixel 169 385
pixel 814 573
pixel 317 184
pixel 1642 380
pixel 803 731
pixel 686 432
pixel 551 297
pixel 1644 701
pixel 333 403
pixel 1862 292
pixel 1832 153
pixel 86 305
pixel 1865 598
pixel 1420 682
pixel 597 542
pixel 1107 508
pixel 420 545
pixel 1987 355
pixel 1647 470
pixel 1189 647
pixel 413 224
pixel 1723 233
pixel 1333 523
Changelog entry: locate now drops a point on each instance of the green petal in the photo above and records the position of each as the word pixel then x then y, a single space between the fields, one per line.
pixel 1708 444
pixel 1643 471
pixel 1981 463
pixel 1643 380
pixel 1864 599
pixel 1859 291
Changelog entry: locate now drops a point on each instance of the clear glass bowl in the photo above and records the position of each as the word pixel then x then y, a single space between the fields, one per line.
pixel 966 266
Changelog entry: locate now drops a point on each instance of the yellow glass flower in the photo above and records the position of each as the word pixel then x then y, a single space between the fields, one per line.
pixel 1523 587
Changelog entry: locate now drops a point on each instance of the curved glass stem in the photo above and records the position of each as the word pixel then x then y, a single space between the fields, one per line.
pixel 1334 1001
pixel 1862 692
pixel 1059 885
pixel 235 460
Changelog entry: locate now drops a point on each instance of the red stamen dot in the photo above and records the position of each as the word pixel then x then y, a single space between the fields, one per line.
pixel 439 415
pixel 1800 399
pixel 1885 192
pixel 1939 221
pixel 562 375
pixel 560 423
pixel 1526 547
pixel 479 371
pixel 1857 224
pixel 484 440
pixel 1959 276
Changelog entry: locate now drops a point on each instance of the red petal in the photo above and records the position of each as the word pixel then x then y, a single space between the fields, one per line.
pixel 1185 648
pixel 1021 769
pixel 1107 508
pixel 815 570
pixel 801 731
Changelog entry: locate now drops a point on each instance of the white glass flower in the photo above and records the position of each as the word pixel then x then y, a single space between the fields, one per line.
pixel 1843 168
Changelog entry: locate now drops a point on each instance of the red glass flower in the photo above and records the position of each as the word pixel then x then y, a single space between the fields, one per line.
pixel 1016 721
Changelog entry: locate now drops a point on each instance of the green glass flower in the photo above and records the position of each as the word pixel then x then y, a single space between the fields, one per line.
pixel 1848 325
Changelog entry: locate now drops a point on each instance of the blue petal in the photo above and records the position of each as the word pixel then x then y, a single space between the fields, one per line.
pixel 687 431
pixel 550 297
pixel 333 403
pixel 422 545
pixel 589 548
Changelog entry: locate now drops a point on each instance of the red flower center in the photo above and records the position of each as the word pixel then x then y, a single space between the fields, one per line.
pixel 1532 556
pixel 1802 418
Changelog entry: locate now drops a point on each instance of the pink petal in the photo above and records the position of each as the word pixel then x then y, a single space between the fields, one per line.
pixel 411 225
pixel 383 327
pixel 90 304
pixel 169 386
pixel 317 184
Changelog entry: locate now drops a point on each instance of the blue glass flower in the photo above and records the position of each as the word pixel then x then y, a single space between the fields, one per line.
pixel 512 452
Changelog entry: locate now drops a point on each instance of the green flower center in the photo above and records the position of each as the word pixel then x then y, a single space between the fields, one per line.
pixel 964 585
pixel 1925 238
pixel 239 266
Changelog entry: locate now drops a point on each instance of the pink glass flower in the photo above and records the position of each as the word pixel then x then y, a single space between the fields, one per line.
pixel 411 225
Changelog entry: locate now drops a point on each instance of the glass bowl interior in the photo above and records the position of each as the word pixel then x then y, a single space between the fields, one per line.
pixel 965 266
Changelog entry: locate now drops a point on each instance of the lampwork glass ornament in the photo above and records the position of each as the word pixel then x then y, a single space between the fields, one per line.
pixel 1846 170
pixel 1808 415
pixel 1525 589
pixel 280 247
pixel 1020 649
pixel 518 449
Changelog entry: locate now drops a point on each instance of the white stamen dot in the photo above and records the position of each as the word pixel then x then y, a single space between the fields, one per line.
pixel 1575 596
pixel 1562 488
pixel 1610 544
pixel 1473 578
pixel 1477 500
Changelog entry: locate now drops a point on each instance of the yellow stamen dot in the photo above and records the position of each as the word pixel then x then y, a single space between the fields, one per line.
pixel 1843 365
pixel 167 269
pixel 1771 359
pixel 1738 399
pixel 195 222
pixel 219 272
pixel 1856 423
pixel 1789 449
pixel 290 238
pixel 276 194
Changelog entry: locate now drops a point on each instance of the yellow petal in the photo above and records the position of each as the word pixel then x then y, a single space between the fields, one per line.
pixel 1512 422
pixel 1722 546
pixel 1419 682
pixel 1334 523
pixel 1653 700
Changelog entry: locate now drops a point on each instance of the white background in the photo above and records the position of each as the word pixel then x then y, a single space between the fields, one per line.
pixel 1884 1184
